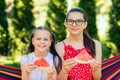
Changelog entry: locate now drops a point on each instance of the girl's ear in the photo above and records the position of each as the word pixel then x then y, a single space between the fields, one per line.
pixel 32 41
pixel 85 25
pixel 50 43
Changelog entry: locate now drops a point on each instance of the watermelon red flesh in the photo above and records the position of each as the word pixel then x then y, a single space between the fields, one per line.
pixel 84 56
pixel 41 63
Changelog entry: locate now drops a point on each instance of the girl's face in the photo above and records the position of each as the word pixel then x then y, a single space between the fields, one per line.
pixel 75 23
pixel 42 41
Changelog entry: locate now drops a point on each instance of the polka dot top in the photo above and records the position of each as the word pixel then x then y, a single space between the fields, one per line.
pixel 79 71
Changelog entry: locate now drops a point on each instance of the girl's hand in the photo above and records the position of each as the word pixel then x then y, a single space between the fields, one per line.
pixel 96 66
pixel 30 67
pixel 50 73
pixel 68 64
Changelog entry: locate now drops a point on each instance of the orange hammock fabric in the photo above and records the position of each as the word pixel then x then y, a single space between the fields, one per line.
pixel 110 70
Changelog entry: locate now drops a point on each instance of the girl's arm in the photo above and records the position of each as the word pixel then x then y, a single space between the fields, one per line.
pixel 60 50
pixel 52 74
pixel 96 64
pixel 62 75
pixel 26 71
pixel 25 75
pixel 67 65
pixel 96 70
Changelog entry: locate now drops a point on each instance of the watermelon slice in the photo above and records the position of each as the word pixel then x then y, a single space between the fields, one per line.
pixel 84 57
pixel 41 63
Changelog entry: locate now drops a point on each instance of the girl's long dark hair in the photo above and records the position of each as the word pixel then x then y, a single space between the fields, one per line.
pixel 56 58
pixel 88 42
pixel 58 65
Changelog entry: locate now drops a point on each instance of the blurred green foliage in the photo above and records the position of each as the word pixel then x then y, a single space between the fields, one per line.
pixel 4 34
pixel 55 18
pixel 89 6
pixel 23 23
pixel 114 31
pixel 15 37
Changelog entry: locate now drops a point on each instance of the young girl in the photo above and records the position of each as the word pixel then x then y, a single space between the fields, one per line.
pixel 42 45
pixel 78 40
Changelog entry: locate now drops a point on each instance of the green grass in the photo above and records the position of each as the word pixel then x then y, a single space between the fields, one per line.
pixel 17 65
pixel 8 61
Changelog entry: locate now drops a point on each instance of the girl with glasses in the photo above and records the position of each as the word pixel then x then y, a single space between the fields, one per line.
pixel 76 23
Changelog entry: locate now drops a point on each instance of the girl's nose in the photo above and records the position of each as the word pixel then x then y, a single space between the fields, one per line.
pixel 74 24
pixel 41 41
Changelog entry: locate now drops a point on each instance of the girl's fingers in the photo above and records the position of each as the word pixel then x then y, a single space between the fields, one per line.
pixel 50 72
pixel 68 64
pixel 30 67
pixel 95 66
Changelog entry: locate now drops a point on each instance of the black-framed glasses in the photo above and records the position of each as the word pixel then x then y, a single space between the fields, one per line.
pixel 78 22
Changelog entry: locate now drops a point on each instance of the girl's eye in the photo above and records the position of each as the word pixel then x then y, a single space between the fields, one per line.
pixel 70 20
pixel 46 39
pixel 79 21
pixel 38 39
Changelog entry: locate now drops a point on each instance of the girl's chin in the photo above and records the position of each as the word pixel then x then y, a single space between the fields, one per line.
pixel 40 50
pixel 74 33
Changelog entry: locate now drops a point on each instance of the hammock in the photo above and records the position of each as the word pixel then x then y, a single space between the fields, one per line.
pixel 9 73
pixel 110 70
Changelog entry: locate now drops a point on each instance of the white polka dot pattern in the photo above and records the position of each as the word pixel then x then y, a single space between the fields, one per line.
pixel 79 71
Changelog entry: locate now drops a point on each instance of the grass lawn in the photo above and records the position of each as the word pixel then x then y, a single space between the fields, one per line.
pixel 8 61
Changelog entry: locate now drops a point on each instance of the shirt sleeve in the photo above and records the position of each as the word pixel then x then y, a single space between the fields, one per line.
pixel 24 60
